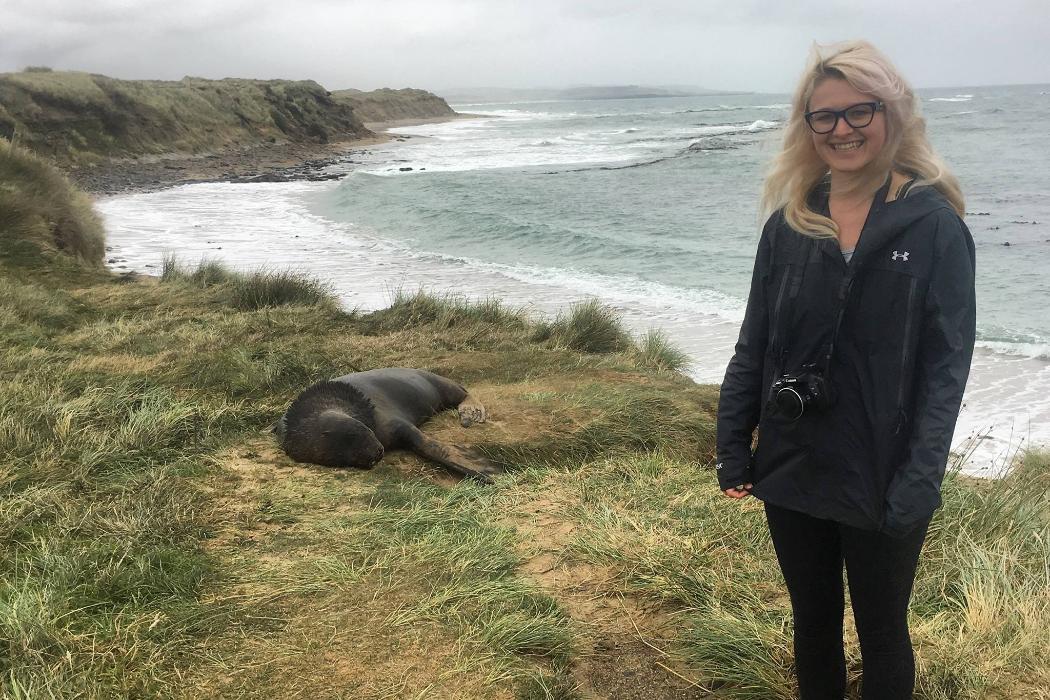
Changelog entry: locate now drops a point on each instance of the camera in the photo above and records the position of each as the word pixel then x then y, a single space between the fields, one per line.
pixel 793 393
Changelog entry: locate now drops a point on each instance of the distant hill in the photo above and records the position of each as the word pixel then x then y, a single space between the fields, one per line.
pixel 585 92
pixel 75 117
pixel 386 105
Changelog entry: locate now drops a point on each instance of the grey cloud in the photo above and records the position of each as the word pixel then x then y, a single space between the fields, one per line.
pixel 747 44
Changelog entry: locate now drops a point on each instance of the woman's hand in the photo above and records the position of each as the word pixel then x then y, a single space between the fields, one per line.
pixel 739 492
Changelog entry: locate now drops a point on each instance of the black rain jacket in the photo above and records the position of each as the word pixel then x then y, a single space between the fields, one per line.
pixel 876 459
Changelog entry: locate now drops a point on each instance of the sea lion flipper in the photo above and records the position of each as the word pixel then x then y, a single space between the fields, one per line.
pixel 449 456
pixel 471 411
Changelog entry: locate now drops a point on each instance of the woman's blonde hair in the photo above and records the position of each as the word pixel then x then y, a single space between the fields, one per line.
pixel 797 169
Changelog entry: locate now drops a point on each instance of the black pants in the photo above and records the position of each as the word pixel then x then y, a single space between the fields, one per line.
pixel 880 570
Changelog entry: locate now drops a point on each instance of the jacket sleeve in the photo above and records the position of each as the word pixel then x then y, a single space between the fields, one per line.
pixel 740 399
pixel 942 366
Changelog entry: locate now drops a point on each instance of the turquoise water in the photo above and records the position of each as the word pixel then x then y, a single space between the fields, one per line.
pixel 665 191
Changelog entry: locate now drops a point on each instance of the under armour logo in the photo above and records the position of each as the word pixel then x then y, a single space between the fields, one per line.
pixel 903 256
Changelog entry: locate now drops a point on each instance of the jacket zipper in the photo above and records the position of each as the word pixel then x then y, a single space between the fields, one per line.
pixel 902 417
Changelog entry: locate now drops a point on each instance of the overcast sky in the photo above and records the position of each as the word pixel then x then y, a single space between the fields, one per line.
pixel 757 45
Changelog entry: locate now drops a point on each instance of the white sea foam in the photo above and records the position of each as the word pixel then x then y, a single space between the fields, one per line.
pixel 730 108
pixel 1032 351
pixel 957 98
pixel 486 143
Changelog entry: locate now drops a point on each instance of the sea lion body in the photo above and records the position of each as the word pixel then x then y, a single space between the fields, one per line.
pixel 402 395
pixel 353 419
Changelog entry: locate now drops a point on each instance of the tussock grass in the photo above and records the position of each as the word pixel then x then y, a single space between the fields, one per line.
pixel 443 312
pixel 42 214
pixel 253 290
pixel 589 326
pixel 656 350
pixel 261 290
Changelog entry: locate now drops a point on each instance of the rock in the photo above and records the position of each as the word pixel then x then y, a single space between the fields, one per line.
pixel 404 169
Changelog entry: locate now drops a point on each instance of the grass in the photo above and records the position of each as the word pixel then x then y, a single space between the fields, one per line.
pixel 41 213
pixel 588 326
pixel 254 290
pixel 156 542
pixel 386 105
pixel 656 350
pixel 131 536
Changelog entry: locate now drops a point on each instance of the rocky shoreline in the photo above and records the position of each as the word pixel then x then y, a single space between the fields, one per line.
pixel 284 162
pixel 265 163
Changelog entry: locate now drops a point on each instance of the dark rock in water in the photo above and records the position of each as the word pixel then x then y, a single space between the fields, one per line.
pixel 1006 243
pixel 404 169
pixel 977 213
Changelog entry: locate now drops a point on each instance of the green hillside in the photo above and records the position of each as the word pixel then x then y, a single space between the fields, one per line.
pixel 77 118
pixel 386 105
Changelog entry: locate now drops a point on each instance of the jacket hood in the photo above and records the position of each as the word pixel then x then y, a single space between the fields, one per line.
pixel 887 219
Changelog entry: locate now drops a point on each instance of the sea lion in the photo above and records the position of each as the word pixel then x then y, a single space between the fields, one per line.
pixel 351 421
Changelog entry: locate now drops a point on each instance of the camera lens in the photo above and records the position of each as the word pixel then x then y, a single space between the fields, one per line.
pixel 789 403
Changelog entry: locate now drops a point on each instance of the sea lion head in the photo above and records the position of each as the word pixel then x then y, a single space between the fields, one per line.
pixel 331 424
pixel 344 441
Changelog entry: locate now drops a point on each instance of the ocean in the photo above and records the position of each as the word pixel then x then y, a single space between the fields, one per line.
pixel 650 205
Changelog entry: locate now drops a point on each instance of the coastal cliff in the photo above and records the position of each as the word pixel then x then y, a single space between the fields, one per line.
pixel 386 105
pixel 79 118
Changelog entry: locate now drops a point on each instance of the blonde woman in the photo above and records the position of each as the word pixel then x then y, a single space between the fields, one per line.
pixel 851 361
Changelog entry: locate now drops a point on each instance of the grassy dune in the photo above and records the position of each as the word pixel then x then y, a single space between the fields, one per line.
pixel 157 543
pixel 78 118
pixel 386 105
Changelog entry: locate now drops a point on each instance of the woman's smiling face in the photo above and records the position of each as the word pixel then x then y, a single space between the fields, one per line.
pixel 846 149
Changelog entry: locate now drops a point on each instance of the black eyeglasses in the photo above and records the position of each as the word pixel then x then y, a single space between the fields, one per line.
pixel 824 121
